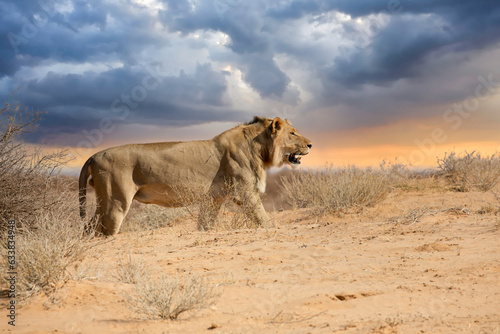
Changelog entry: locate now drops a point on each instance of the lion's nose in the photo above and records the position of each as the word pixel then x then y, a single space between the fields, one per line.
pixel 309 145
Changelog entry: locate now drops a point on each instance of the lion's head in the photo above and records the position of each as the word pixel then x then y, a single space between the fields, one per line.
pixel 288 144
pixel 285 145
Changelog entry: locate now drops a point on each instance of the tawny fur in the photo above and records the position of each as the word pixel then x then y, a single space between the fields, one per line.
pixel 154 173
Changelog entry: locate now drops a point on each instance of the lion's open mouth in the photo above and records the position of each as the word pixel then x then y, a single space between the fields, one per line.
pixel 294 158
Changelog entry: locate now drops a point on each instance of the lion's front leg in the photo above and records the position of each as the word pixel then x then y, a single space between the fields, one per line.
pixel 209 209
pixel 253 207
pixel 260 216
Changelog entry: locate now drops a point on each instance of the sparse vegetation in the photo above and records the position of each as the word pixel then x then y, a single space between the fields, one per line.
pixel 399 174
pixel 42 204
pixel 486 209
pixel 164 298
pixel 131 270
pixel 230 215
pixel 494 208
pixel 404 177
pixel 341 189
pixel 151 217
pixel 50 242
pixel 410 216
pixel 29 177
pixel 470 171
pixel 47 247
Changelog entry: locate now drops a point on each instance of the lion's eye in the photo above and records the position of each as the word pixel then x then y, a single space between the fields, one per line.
pixel 293 133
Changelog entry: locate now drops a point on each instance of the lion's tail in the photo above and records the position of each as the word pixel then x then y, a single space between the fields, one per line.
pixel 82 186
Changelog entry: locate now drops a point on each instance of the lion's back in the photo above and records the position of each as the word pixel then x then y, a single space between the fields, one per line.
pixel 168 162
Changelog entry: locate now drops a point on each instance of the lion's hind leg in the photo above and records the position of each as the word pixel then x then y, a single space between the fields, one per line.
pixel 113 205
pixel 113 212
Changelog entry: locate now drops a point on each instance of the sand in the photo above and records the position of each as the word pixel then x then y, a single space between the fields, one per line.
pixel 415 263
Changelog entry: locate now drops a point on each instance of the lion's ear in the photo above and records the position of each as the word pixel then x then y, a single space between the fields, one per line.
pixel 276 125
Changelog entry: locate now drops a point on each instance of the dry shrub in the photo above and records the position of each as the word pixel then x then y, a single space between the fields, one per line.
pixel 43 205
pixel 404 177
pixel 146 217
pixel 470 171
pixel 199 204
pixel 30 185
pixel 234 217
pixel 335 189
pixel 47 246
pixel 493 207
pixel 400 175
pixel 131 270
pixel 164 298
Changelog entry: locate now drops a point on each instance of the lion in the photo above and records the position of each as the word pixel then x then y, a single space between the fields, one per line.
pixel 152 173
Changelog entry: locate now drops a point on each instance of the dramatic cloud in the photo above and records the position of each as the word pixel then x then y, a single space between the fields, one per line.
pixel 392 39
pixel 333 65
pixel 139 95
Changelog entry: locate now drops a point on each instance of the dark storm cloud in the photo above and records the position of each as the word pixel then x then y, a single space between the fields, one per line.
pixel 36 31
pixel 243 23
pixel 11 20
pixel 416 31
pixel 86 32
pixel 139 95
pixel 391 55
pixel 404 54
pixel 400 49
pixel 263 75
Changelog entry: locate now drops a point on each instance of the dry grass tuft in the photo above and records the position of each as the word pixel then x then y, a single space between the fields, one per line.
pixel 47 247
pixel 403 177
pixel 233 217
pixel 131 270
pixel 164 298
pixel 199 204
pixel 335 189
pixel 470 171
pixel 147 217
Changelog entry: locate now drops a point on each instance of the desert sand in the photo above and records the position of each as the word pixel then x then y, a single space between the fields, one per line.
pixel 418 262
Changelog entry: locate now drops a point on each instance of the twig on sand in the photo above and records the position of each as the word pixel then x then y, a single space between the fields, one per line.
pixel 273 320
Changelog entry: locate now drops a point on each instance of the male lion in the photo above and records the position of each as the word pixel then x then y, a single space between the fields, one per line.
pixel 154 173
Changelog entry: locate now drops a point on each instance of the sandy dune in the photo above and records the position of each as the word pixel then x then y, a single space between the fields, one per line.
pixel 385 270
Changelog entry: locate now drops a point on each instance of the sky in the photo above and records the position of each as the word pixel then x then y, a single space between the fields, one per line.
pixel 364 80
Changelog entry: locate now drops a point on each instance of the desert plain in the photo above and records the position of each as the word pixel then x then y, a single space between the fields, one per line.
pixel 420 261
